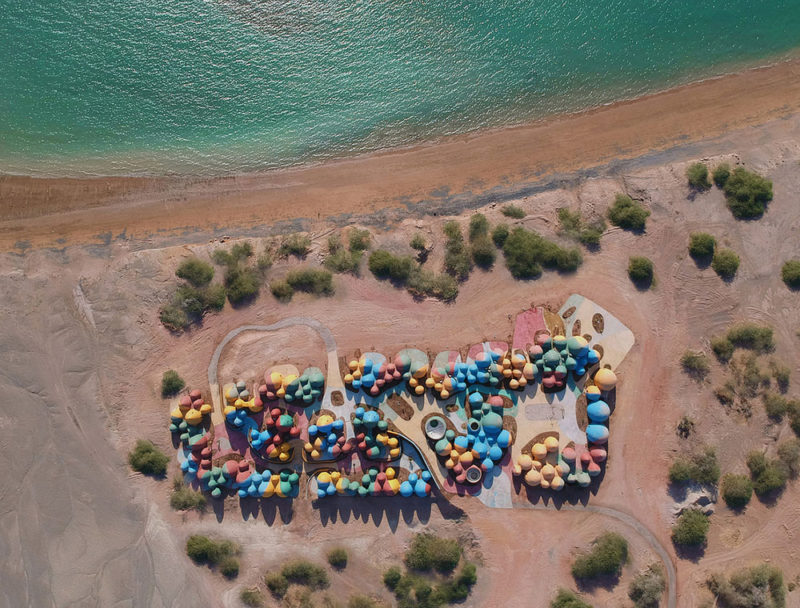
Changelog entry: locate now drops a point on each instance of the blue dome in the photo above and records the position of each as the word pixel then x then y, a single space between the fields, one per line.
pixel 597 433
pixel 598 411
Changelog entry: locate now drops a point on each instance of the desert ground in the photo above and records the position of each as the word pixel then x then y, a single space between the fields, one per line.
pixel 82 352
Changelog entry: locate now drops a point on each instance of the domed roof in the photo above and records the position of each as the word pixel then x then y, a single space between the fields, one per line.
pixel 551 443
pixel 605 379
pixel 592 393
pixel 598 411
pixel 492 420
pixel 539 450
pixel 552 357
pixel 597 433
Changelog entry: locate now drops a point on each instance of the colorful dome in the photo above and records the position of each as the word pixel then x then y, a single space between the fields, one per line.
pixel 605 379
pixel 598 411
pixel 551 444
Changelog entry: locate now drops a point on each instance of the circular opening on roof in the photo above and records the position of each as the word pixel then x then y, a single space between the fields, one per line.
pixel 474 425
pixel 435 428
pixel 474 474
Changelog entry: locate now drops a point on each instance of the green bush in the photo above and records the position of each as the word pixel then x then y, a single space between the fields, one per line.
pixel 526 253
pixel 385 265
pixel 214 297
pixel 392 577
pixel 723 348
pixel 640 271
pixel 203 550
pixel 483 252
pixel 264 261
pixel 146 458
pixel 302 572
pixel 701 467
pixel 242 284
pixel 608 554
pixel 568 599
pixel 769 476
pixel 363 601
pixel 789 455
pixel 721 174
pixel 647 587
pixel 697 175
pixel 691 528
pixel 251 596
pixel 751 336
pixel 418 242
pixel 196 272
pixel 685 427
pixel 747 193
pixel 173 317
pixel 736 490
pixel 790 273
pixel 276 583
pixel 695 364
pixel 359 240
pixel 424 283
pixel 627 213
pixel 573 226
pixel 513 211
pixel 429 552
pixel 457 261
pixel 311 280
pixel 238 252
pixel 776 405
pixel 725 263
pixel 281 290
pixel 171 383
pixel 184 498
pixel 499 235
pixel 701 246
pixel 759 586
pixel 478 226
pixel 229 567
pixel 337 557
pixel 295 244
pixel 782 375
pixel 343 261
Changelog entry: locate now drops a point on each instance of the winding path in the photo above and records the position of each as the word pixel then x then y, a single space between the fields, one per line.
pixel 330 346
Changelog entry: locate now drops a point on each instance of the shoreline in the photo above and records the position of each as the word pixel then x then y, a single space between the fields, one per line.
pixel 74 210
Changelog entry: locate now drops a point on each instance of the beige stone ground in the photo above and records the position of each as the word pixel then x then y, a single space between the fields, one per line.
pixel 78 529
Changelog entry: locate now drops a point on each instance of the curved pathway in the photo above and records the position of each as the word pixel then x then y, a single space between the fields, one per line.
pixel 330 346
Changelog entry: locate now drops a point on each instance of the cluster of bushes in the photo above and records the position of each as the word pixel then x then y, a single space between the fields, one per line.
pixel 790 273
pixel 608 554
pixel 769 475
pixel 457 261
pixel 482 249
pixel 219 553
pixel 697 175
pixel 241 281
pixel 701 467
pixel 297 572
pixel 736 490
pixel 194 298
pixel 647 587
pixel 760 585
pixel 171 383
pixel 747 379
pixel 691 529
pixel 746 192
pixel 341 259
pixel 695 363
pixel 527 253
pixel 750 336
pixel 295 244
pixel 403 271
pixel 640 271
pixel 513 211
pixel 575 227
pixel 316 281
pixel 500 234
pixel 568 599
pixel 627 213
pixel 146 458
pixel 183 498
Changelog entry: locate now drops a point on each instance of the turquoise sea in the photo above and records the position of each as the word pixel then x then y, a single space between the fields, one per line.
pixel 220 86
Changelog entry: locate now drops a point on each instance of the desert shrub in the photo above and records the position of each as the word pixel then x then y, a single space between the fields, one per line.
pixel 789 455
pixel 776 405
pixel 146 458
pixel 782 375
pixel 754 337
pixel 430 552
pixel 252 597
pixel 276 583
pixel 483 252
pixel 568 599
pixel 343 261
pixel 424 283
pixel 701 246
pixel 701 467
pixel 759 586
pixel 723 348
pixel 691 528
pixel 647 587
pixel 695 364
pixel 513 211
pixel 725 263
pixel 790 273
pixel 418 242
pixel 337 557
pixel 685 427
pixel 359 240
pixel 747 193
pixel 721 174
pixel 640 271
pixel 697 175
pixel 385 265
pixel 457 261
pixel 627 213
pixel 237 253
pixel 302 572
pixel 311 280
pixel 574 226
pixel 171 383
pixel 500 234
pixel 242 284
pixel 295 244
pixel 736 490
pixel 229 567
pixel 173 317
pixel 526 253
pixel 281 290
pixel 478 226
pixel 363 601
pixel 183 498
pixel 204 550
pixel 264 261
pixel 195 272
pixel 214 297
pixel 769 476
pixel 392 577
pixel 608 553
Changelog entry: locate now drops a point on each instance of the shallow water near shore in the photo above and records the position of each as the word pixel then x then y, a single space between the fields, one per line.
pixel 226 86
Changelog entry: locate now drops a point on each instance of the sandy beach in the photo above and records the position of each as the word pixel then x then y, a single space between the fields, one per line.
pixel 57 212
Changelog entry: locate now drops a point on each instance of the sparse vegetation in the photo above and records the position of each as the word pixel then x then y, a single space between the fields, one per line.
pixel 359 240
pixel 403 271
pixel 513 211
pixel 147 459
pixel 482 251
pixel 430 552
pixel 478 226
pixel 252 597
pixel 697 175
pixel 736 490
pixel 685 427
pixel 725 263
pixel 640 271
pixel 276 583
pixel 229 567
pixel 264 261
pixel 183 498
pixel 608 554
pixel 695 364
pixel 222 553
pixel 363 601
pixel 337 558
pixel 701 467
pixel 302 572
pixel 769 476
pixel 758 338
pixel 568 599
pixel 500 234
pixel 297 245
pixel 317 281
pixel 457 262
pixel 385 265
pixel 691 529
pixel 776 405
pixel 418 242
pixel 721 174
pixel 281 290
pixel 747 193
pixel 527 252
pixel 189 304
pixel 171 383
pixel 759 586
pixel 196 272
pixel 723 348
pixel 392 577
pixel 627 213
pixel 574 227
pixel 647 587
pixel 242 283
pixel 790 273
pixel 789 455
pixel 781 374
pixel 701 246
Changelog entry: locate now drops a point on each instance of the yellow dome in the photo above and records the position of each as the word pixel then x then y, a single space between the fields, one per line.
pixel 581 340
pixel 177 413
pixel 605 379
pixel 525 462
pixel 551 443
pixel 419 389
pixel 523 381
pixel 592 390
pixel 348 378
pixel 193 417
pixel 353 365
pixel 514 384
pixel 324 477
pixel 557 483
pixel 533 477
pixel 537 464
pixel 539 451
pixel 390 473
pixel 430 382
pixel 324 419
pixel 421 372
pixel 548 472
pixel 444 394
pixel 559 337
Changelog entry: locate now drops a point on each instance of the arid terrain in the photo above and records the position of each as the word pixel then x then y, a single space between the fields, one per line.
pixel 82 352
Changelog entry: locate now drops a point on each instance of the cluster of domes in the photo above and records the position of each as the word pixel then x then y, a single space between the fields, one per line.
pixel 306 388
pixel 238 403
pixel 597 409
pixel 373 483
pixel 285 484
pixel 372 436
pixel 555 357
pixel 189 412
pixel 542 466
pixel 373 379
pixel 468 457
pixel 326 439
pixel 278 429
